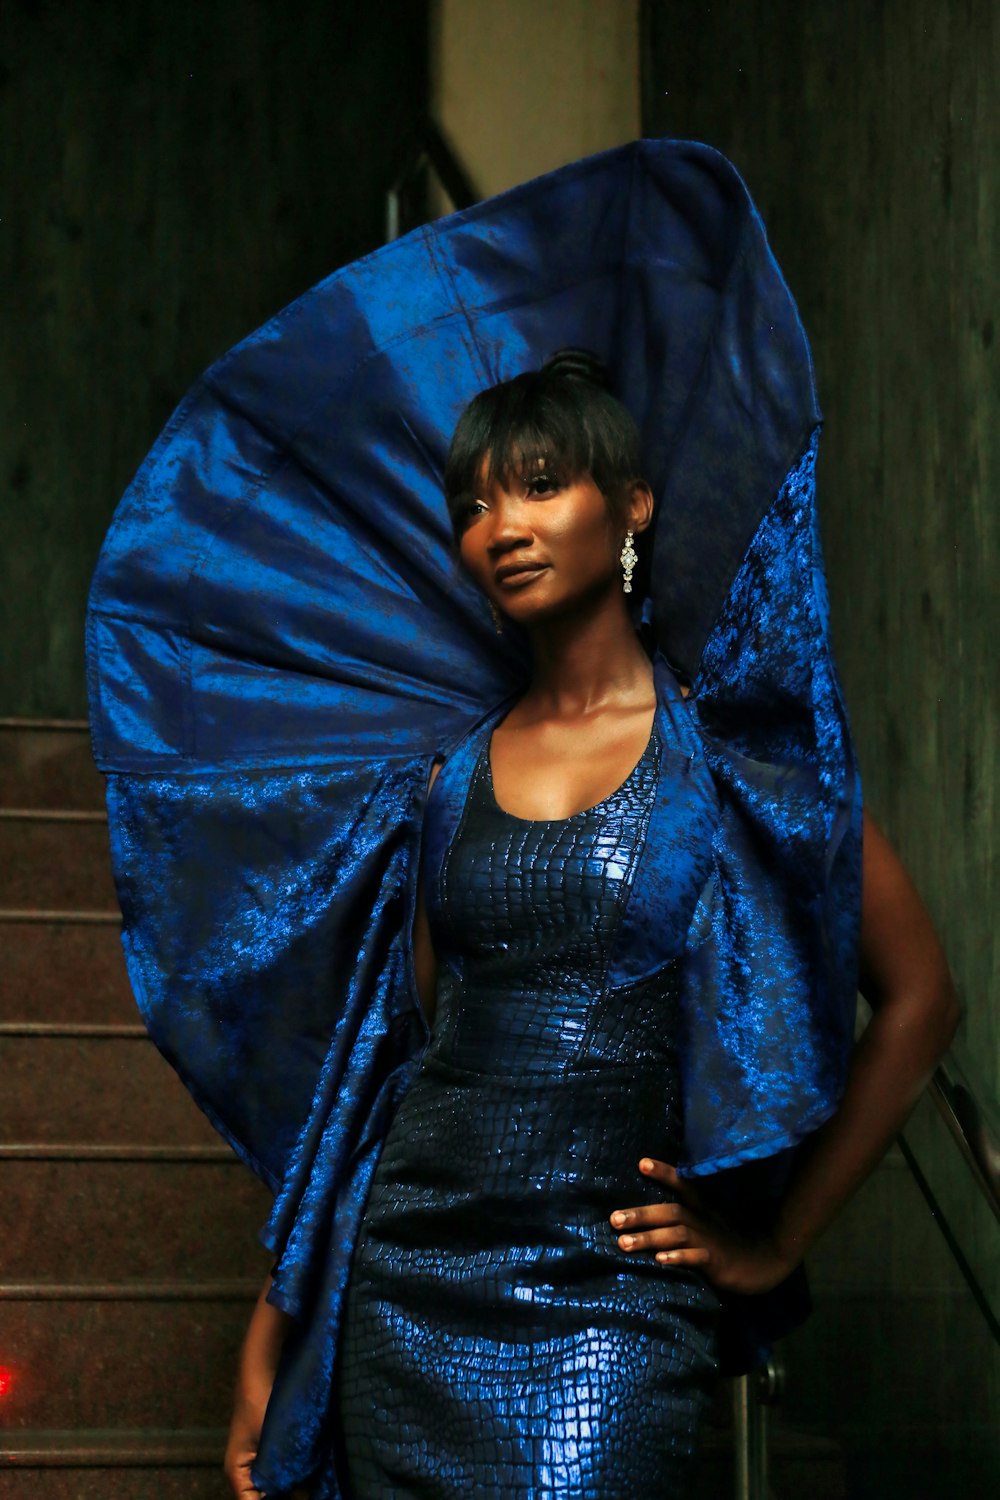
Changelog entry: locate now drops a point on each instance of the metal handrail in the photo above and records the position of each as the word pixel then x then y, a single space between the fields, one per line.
pixel 752 1395
pixel 972 1132
pixel 969 1276
pixel 976 1139
pixel 426 146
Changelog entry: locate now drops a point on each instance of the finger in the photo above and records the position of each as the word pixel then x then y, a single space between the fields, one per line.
pixel 693 1255
pixel 649 1166
pixel 647 1215
pixel 243 1486
pixel 670 1238
pixel 664 1172
pixel 250 1490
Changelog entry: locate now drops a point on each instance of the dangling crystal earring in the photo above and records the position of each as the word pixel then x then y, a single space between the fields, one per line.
pixel 496 618
pixel 629 558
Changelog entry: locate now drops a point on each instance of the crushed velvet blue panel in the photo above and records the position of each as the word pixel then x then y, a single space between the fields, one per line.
pixel 280 641
pixel 771 969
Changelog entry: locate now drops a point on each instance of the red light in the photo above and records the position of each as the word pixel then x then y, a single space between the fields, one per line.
pixel 5 1380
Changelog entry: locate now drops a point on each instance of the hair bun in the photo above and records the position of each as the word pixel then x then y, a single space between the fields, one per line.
pixel 578 364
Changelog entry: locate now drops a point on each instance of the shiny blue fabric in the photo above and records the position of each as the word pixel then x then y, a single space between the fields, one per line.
pixel 280 641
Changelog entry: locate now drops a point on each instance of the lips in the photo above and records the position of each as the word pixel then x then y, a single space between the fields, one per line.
pixel 518 572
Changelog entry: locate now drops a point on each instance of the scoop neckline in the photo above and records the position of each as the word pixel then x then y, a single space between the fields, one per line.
pixel 584 811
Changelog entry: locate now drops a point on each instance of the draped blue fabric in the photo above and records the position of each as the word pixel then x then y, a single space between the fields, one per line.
pixel 280 641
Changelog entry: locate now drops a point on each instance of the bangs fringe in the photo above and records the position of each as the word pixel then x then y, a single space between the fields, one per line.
pixel 520 425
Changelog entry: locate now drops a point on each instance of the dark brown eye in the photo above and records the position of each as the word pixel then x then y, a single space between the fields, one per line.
pixel 468 511
pixel 541 484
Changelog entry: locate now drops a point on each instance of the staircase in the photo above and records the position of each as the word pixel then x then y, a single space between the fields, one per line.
pixel 129 1259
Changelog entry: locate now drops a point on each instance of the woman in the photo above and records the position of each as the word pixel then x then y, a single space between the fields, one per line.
pixel 535 1292
pixel 281 648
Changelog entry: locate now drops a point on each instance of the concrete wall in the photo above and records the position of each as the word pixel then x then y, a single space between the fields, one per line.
pixel 869 136
pixel 171 174
pixel 523 86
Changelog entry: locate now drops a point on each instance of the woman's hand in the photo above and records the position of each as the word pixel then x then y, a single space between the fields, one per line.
pixel 254 1383
pixel 241 1449
pixel 689 1233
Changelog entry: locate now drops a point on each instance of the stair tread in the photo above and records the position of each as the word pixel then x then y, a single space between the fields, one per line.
pixel 120 1364
pixel 159 1289
pixel 15 914
pixel 111 1090
pixel 101 1447
pixel 48 763
pixel 119 1151
pixel 69 971
pixel 49 864
pixel 89 1221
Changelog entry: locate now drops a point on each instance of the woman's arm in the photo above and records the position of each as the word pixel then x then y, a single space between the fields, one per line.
pixel 255 1378
pixel 904 977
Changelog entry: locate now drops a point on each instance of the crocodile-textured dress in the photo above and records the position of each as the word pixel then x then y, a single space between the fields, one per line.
pixel 497 1341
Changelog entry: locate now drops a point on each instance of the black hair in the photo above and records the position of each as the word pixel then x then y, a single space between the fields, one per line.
pixel 562 416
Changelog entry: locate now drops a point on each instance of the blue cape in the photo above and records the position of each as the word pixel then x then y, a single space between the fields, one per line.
pixel 280 642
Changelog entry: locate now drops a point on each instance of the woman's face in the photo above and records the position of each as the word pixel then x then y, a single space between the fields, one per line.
pixel 537 545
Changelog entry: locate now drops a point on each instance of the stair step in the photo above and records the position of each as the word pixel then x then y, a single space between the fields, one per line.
pixel 224 1289
pixel 116 1464
pixel 48 763
pixel 108 1092
pixel 14 915
pixel 52 815
pixel 121 1364
pixel 84 1221
pixel 50 864
pixel 64 971
pixel 113 1447
pixel 115 1151
pixel 105 1030
pixel 206 1482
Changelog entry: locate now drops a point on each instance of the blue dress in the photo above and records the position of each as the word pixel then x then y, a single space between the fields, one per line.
pixel 279 645
pixel 497 1340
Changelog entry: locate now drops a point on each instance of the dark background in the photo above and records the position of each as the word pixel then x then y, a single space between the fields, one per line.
pixel 172 174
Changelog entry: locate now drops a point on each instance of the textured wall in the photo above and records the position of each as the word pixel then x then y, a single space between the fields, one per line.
pixel 869 136
pixel 171 174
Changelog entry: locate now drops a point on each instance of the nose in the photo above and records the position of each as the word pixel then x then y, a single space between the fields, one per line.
pixel 509 527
